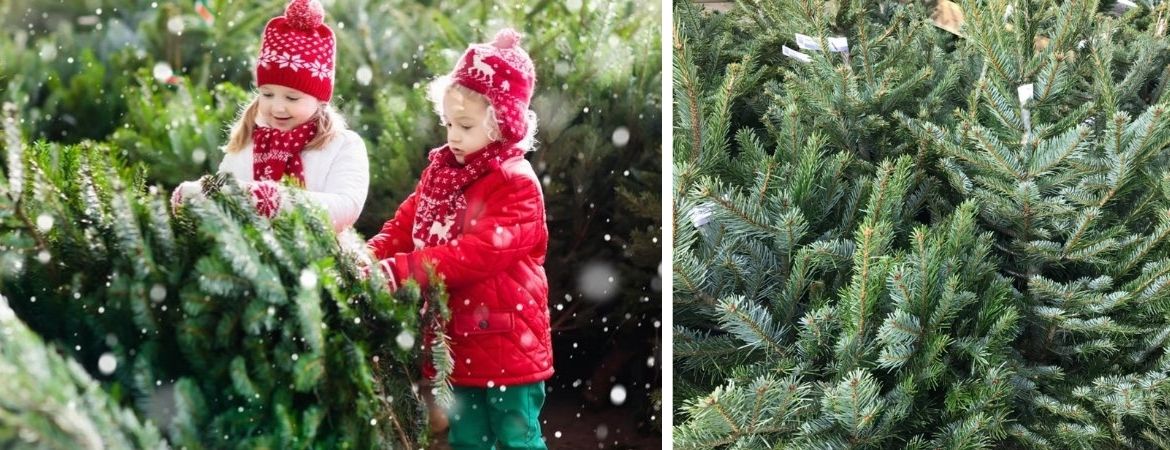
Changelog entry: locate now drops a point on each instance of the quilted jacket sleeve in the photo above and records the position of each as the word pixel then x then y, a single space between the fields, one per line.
pixel 395 235
pixel 510 226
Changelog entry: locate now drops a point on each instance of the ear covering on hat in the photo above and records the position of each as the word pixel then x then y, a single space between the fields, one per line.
pixel 502 72
pixel 298 51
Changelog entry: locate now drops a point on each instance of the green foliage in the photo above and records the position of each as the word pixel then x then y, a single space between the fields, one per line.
pixel 227 328
pixel 177 130
pixel 916 258
pixel 51 402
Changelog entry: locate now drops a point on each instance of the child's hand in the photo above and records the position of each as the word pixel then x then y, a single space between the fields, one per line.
pixel 185 191
pixel 365 259
pixel 387 268
pixel 266 196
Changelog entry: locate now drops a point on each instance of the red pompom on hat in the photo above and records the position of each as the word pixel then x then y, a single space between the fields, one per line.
pixel 502 72
pixel 298 51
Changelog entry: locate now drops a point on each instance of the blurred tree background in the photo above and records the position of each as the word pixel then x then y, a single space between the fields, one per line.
pixel 155 84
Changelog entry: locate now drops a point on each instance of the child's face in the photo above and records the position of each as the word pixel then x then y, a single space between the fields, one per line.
pixel 285 108
pixel 467 130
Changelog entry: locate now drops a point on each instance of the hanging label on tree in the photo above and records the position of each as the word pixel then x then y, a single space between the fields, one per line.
pixel 795 54
pixel 701 215
pixel 204 12
pixel 1025 93
pixel 836 44
pixel 839 44
pixel 948 16
pixel 807 42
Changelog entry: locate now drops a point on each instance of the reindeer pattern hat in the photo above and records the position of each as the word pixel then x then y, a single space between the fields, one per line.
pixel 502 72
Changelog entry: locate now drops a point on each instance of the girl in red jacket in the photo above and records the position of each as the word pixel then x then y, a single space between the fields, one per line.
pixel 477 219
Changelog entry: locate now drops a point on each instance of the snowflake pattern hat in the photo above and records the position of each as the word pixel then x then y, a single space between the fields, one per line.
pixel 298 51
pixel 502 72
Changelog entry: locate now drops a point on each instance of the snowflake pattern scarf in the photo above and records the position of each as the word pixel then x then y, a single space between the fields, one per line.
pixel 276 153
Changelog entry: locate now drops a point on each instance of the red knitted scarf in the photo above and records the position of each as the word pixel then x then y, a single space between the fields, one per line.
pixel 441 203
pixel 276 153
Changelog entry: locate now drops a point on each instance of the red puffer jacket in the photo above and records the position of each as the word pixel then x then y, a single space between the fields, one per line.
pixel 495 278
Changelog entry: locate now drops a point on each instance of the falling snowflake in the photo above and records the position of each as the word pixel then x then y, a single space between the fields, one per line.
pixel 364 75
pixel 598 281
pixel 158 292
pixel 405 340
pixel 44 222
pixel 621 137
pixel 617 394
pixel 107 363
pixel 175 25
pixel 308 279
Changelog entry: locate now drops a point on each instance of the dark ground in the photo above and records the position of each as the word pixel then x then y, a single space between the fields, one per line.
pixel 579 426
pixel 578 405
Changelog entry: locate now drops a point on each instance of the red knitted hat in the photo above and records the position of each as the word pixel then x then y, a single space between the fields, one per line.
pixel 298 51
pixel 502 72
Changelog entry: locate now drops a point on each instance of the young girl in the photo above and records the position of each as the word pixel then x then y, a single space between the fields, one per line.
pixel 477 218
pixel 290 129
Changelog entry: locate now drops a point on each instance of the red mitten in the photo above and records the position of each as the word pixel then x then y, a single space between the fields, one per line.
pixel 266 197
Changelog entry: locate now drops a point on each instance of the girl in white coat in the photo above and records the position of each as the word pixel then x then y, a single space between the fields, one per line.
pixel 290 130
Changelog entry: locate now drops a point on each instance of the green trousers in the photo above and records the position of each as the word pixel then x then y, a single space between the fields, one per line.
pixel 491 418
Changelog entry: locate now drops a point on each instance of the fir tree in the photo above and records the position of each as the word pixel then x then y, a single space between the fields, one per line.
pixel 1071 181
pixel 229 329
pixel 51 402
pixel 910 256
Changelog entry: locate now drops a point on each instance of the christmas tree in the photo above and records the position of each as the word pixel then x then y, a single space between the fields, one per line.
pixel 918 239
pixel 224 328
pixel 51 402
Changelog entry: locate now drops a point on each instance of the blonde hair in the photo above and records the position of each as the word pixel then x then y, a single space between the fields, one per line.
pixel 439 88
pixel 330 123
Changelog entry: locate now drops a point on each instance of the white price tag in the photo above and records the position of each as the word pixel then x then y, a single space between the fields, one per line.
pixel 701 215
pixel 839 44
pixel 796 55
pixel 836 44
pixel 1025 93
pixel 807 42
